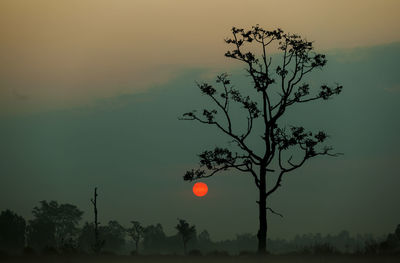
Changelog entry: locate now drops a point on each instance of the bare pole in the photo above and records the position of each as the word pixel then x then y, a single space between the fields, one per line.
pixel 97 245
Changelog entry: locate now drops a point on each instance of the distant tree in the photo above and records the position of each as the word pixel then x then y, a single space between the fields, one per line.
pixel 110 236
pixel 154 238
pixel 53 224
pixel 204 237
pixel 98 243
pixel 136 232
pixel 41 234
pixel 246 241
pixel 86 238
pixel 392 243
pixel 371 247
pixel 113 235
pixel 186 232
pixel 204 242
pixel 12 231
pixel 280 150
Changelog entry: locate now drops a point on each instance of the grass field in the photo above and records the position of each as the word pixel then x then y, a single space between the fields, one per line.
pixel 207 259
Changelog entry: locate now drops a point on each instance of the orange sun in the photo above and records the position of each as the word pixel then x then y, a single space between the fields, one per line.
pixel 200 189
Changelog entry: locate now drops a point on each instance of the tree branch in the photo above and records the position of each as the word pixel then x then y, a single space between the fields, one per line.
pixel 276 213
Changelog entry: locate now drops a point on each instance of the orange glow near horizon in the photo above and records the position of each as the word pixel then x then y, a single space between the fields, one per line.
pixel 200 189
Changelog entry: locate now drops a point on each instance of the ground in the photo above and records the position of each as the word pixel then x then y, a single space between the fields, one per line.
pixel 207 259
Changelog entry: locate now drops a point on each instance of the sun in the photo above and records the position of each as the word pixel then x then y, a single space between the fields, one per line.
pixel 200 189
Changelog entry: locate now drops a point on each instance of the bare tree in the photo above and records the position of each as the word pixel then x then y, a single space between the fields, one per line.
pixel 136 233
pixel 276 88
pixel 98 244
pixel 186 231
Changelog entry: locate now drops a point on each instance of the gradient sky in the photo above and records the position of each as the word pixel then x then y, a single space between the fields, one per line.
pixel 63 53
pixel 90 92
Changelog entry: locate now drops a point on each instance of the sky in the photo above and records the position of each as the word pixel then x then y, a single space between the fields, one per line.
pixel 91 92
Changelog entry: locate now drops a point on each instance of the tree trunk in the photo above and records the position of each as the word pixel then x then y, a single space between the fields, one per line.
pixel 262 206
pixel 97 244
pixel 137 246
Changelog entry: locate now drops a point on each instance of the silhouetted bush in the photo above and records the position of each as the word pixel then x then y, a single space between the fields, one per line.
pixel 12 231
pixel 391 245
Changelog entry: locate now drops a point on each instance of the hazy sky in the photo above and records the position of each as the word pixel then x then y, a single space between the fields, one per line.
pixel 63 53
pixel 90 92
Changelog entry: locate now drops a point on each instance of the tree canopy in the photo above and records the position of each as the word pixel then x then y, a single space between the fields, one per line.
pixel 53 224
pixel 273 89
pixel 186 231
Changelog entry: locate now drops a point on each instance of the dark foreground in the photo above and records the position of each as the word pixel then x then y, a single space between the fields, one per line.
pixel 207 259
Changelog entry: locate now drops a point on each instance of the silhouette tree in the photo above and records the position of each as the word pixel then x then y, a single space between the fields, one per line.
pixel 204 236
pixel 86 239
pixel 276 89
pixel 154 238
pixel 186 231
pixel 98 244
pixel 136 233
pixel 114 236
pixel 204 240
pixel 53 224
pixel 111 237
pixel 40 234
pixel 392 243
pixel 12 231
